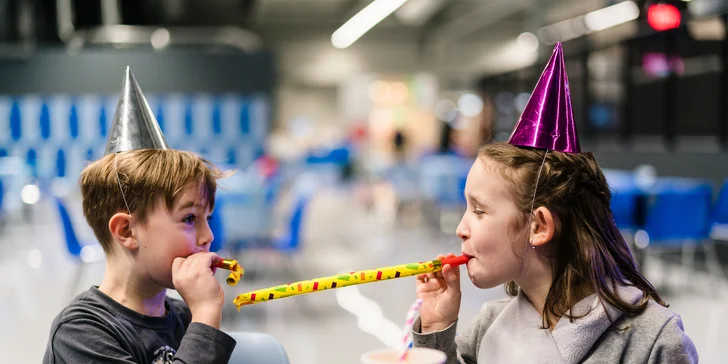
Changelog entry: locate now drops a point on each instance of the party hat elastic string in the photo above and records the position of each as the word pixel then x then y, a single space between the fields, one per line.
pixel 118 180
pixel 530 216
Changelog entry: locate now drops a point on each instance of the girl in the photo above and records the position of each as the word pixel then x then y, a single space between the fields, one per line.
pixel 538 220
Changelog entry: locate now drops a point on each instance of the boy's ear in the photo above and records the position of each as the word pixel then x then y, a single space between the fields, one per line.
pixel 543 226
pixel 120 226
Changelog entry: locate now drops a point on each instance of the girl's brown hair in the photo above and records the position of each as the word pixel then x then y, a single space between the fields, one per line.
pixel 146 175
pixel 587 251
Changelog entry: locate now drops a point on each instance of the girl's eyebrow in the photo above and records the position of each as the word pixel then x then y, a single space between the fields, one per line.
pixel 475 200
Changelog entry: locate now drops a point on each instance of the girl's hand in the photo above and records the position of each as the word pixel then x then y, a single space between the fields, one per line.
pixel 440 294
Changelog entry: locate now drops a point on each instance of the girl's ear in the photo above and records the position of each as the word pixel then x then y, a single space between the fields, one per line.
pixel 543 226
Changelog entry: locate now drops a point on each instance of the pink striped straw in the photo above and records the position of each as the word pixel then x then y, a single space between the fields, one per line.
pixel 407 331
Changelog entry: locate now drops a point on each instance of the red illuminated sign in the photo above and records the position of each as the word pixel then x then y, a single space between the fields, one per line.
pixel 663 17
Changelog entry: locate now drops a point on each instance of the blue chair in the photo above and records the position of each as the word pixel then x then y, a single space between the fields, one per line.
pixel 2 196
pixel 217 229
pixel 244 219
pixel 290 242
pixel 337 156
pixel 624 208
pixel 442 179
pixel 679 210
pixel 82 254
pixel 679 216
pixel 625 197
pixel 719 230
pixel 72 244
pixel 257 348
pixel 2 207
pixel 283 247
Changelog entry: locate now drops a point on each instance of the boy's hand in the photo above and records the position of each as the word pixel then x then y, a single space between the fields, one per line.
pixel 440 294
pixel 195 281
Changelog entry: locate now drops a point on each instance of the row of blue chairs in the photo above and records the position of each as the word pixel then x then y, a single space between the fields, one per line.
pixel 69 159
pixel 672 209
pixel 63 118
pixel 673 215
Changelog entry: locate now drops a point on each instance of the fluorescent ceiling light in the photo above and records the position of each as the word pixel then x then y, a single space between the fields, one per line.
pixel 591 22
pixel 364 20
pixel 612 16
pixel 528 41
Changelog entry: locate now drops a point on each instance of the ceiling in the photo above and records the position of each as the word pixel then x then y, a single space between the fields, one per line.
pixel 457 39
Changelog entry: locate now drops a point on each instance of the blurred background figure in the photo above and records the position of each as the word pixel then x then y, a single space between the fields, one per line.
pixel 350 133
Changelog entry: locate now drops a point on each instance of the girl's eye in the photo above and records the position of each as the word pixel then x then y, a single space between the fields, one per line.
pixel 189 219
pixel 478 212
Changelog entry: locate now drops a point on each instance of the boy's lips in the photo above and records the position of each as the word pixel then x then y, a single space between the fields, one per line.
pixel 467 255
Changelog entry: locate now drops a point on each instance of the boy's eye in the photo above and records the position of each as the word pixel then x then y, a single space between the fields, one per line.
pixel 478 212
pixel 189 219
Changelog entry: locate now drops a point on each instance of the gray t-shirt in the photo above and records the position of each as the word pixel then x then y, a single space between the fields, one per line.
pixel 95 328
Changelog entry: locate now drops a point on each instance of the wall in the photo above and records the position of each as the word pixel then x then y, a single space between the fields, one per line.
pixel 101 71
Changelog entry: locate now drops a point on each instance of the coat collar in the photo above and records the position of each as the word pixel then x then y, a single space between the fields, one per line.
pixel 516 336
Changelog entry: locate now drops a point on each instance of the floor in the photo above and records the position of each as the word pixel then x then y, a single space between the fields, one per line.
pixel 335 326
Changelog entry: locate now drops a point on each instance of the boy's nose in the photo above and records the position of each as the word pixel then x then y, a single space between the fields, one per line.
pixel 206 236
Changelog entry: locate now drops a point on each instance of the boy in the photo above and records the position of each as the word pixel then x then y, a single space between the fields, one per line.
pixel 148 207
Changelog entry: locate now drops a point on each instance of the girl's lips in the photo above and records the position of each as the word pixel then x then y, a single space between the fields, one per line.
pixel 468 255
pixel 455 261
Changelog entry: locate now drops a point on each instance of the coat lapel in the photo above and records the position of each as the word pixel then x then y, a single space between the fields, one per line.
pixel 516 335
pixel 575 339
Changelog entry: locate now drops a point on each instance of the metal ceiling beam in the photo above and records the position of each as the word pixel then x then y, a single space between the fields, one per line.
pixel 230 36
pixel 472 21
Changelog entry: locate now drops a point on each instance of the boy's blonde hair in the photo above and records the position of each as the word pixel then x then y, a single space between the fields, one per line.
pixel 145 175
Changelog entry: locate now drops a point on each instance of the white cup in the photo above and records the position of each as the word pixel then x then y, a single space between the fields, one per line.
pixel 414 356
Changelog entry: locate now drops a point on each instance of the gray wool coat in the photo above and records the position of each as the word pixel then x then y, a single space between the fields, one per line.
pixel 508 331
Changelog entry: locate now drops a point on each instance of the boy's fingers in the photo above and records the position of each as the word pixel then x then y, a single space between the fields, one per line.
pixel 216 259
pixel 203 261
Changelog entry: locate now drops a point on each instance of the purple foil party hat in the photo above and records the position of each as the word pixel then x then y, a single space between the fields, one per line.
pixel 547 122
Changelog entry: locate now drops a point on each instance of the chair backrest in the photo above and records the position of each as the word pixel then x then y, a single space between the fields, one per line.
pixel 295 224
pixel 72 243
pixel 624 208
pixel 680 212
pixel 2 196
pixel 720 212
pixel 257 348
pixel 216 226
pixel 60 163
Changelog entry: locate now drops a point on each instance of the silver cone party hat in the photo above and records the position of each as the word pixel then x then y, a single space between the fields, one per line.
pixel 134 125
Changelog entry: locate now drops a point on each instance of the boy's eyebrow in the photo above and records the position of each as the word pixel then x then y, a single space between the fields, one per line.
pixel 189 204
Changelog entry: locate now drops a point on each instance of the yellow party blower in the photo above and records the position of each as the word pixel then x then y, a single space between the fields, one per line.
pixel 344 280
